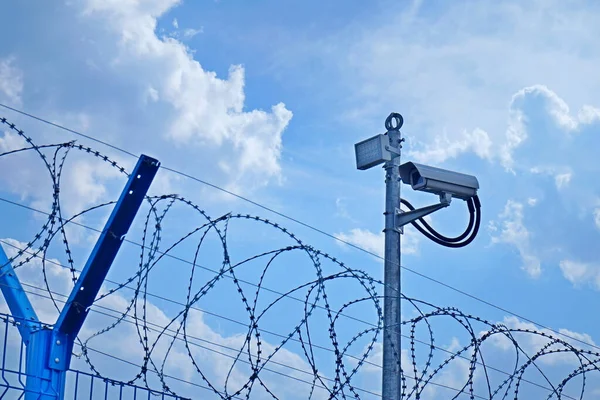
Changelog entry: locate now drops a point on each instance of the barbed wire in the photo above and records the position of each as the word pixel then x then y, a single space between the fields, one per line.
pixel 302 223
pixel 314 345
pixel 331 294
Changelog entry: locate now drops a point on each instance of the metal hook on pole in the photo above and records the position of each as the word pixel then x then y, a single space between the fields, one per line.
pixel 394 122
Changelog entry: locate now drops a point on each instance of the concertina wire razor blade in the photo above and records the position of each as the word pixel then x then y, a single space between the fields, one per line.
pixel 331 370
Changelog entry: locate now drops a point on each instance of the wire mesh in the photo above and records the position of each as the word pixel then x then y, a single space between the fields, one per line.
pixel 80 385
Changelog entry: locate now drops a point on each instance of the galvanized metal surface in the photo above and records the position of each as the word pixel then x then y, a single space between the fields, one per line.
pixel 391 382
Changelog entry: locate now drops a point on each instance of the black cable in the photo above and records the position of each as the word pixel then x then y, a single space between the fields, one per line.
pixel 440 239
pixel 456 239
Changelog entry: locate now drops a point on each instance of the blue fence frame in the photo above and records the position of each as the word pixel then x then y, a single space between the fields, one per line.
pixel 47 349
pixel 79 385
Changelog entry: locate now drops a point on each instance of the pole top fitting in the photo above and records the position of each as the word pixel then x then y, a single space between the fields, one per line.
pixel 394 122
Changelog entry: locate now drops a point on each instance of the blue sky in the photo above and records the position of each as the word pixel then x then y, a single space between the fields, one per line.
pixel 267 98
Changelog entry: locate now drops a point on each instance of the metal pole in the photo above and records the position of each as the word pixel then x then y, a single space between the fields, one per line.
pixel 391 382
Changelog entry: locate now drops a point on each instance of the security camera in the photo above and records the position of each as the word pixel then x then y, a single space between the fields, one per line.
pixel 439 181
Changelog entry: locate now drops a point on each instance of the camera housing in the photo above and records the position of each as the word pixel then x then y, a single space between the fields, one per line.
pixel 439 181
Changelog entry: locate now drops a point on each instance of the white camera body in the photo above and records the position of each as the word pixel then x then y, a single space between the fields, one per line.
pixel 439 181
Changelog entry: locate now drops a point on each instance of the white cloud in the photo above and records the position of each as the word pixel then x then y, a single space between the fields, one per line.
pixel 574 271
pixel 562 175
pixel 374 242
pixel 410 241
pixel 516 134
pixel 555 106
pixel 185 34
pixel 492 148
pixel 531 343
pixel 84 181
pixel 559 112
pixel 562 180
pixel 208 112
pixel 511 230
pixel 365 239
pixel 152 95
pixel 579 273
pixel 444 147
pixel 456 78
pixel 532 201
pixel 342 210
pixel 589 115
pixel 11 81
pixel 597 217
pixel 190 32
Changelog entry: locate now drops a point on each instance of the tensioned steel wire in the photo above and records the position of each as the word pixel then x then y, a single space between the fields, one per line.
pixel 425 229
pixel 540 361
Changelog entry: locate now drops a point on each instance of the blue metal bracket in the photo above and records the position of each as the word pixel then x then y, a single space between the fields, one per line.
pixel 88 285
pixel 49 350
pixel 42 382
pixel 16 299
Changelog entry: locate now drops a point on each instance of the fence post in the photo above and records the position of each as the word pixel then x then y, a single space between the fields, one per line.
pixel 42 383
pixel 49 350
